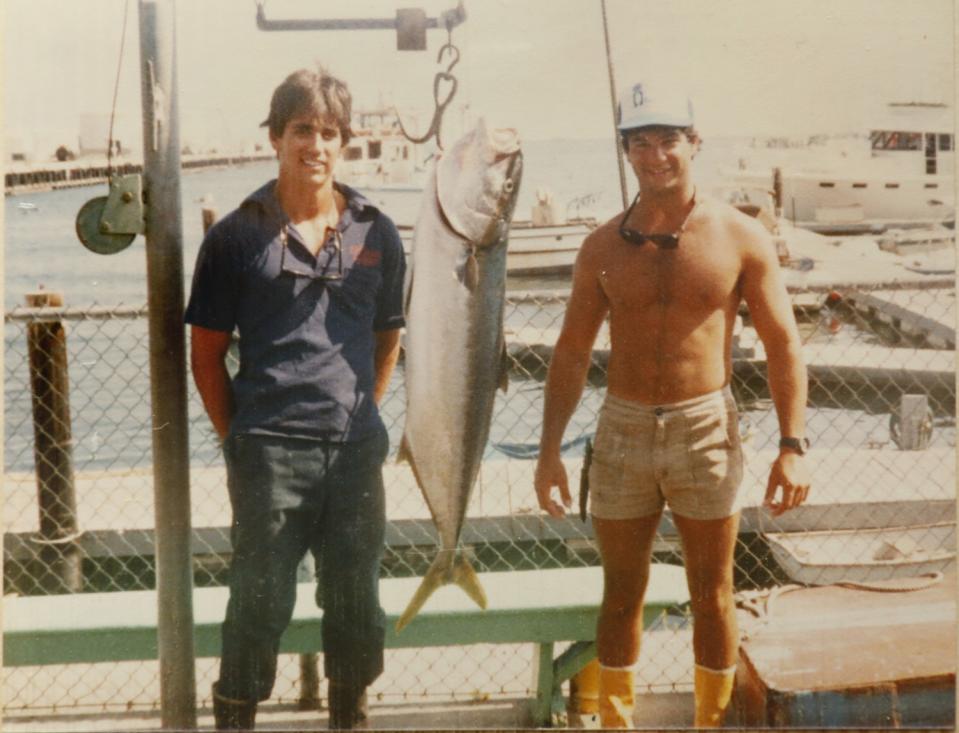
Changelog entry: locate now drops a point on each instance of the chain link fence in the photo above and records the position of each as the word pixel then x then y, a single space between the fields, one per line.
pixel 881 420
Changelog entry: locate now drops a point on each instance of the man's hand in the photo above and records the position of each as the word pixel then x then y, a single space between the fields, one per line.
pixel 788 473
pixel 551 472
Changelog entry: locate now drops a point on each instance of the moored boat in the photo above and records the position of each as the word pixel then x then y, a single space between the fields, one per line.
pixel 900 174
pixel 537 249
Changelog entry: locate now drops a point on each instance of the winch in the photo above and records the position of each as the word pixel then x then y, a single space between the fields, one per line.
pixel 108 224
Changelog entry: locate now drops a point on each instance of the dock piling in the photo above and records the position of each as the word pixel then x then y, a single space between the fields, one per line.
pixel 53 450
pixel 208 215
pixel 911 426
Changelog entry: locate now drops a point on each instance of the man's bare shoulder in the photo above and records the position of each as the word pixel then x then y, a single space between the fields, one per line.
pixel 747 231
pixel 600 242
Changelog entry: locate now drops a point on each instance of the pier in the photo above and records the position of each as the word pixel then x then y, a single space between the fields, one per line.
pixel 908 314
pixel 21 178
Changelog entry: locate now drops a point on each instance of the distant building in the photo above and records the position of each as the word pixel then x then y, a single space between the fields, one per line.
pixel 17 149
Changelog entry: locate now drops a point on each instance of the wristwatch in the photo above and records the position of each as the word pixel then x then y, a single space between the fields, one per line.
pixel 798 445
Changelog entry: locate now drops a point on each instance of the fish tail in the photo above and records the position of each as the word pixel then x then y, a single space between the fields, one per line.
pixel 448 567
pixel 466 578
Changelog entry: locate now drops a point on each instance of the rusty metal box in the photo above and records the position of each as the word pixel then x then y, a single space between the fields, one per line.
pixel 837 656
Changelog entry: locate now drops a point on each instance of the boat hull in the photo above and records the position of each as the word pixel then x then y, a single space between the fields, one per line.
pixel 832 202
pixel 536 250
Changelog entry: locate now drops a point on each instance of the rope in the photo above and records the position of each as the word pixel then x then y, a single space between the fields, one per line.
pixel 116 89
pixel 56 541
pixel 905 585
pixel 760 603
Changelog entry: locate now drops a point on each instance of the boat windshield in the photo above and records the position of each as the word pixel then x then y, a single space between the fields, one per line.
pixel 892 140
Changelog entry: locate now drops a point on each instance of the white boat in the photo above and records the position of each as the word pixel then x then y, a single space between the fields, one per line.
pixel 534 248
pixel 813 259
pixel 866 554
pixel 380 157
pixel 900 174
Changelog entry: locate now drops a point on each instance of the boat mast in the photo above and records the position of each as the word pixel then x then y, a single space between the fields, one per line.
pixel 612 96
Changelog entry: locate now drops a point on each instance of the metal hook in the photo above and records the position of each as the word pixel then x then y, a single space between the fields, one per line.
pixel 448 46
pixel 439 105
pixel 456 53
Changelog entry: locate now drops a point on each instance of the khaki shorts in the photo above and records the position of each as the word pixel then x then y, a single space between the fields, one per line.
pixel 687 455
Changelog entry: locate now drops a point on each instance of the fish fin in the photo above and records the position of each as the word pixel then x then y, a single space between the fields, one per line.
pixel 471 273
pixel 464 575
pixel 446 568
pixel 504 369
pixel 439 574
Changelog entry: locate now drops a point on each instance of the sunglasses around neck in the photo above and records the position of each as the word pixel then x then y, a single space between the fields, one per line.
pixel 294 267
pixel 663 241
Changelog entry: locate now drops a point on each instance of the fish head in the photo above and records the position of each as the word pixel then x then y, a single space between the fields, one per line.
pixel 477 182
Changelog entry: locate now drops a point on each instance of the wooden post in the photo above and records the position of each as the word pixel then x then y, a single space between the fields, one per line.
pixel 310 662
pixel 53 451
pixel 777 192
pixel 208 214
pixel 915 424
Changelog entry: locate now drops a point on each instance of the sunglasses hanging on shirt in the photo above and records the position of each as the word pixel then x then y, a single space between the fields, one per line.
pixel 295 267
pixel 663 241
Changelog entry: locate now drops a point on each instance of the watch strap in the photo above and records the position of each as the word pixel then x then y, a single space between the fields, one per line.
pixel 796 444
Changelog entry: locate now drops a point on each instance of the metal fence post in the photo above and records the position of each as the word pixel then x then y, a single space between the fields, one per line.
pixel 53 450
pixel 168 386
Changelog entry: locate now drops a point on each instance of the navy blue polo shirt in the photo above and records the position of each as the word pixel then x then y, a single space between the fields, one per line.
pixel 306 324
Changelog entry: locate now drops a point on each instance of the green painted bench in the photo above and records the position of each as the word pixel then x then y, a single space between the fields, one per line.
pixel 542 607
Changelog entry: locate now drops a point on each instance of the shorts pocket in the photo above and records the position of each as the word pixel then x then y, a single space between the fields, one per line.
pixel 712 439
pixel 606 480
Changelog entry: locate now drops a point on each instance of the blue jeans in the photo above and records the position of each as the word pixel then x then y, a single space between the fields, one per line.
pixel 288 496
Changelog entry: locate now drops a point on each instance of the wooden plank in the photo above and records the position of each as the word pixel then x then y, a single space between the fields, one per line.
pixel 915 312
pixel 852 487
pixel 524 606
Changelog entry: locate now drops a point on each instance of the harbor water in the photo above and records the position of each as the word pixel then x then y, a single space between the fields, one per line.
pixel 42 251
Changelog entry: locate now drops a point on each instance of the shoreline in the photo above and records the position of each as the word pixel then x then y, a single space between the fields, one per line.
pixel 53 175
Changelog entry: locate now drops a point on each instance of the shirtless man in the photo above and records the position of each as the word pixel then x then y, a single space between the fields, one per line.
pixel 670 273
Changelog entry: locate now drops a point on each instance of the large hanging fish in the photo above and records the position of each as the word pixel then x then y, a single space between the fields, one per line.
pixel 455 350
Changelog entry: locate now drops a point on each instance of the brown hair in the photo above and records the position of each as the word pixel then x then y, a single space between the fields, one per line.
pixel 689 132
pixel 307 91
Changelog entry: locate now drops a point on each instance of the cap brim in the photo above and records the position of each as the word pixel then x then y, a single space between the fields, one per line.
pixel 656 119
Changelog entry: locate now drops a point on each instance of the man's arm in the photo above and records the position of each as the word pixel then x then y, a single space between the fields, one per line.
pixel 385 356
pixel 208 362
pixel 567 376
pixel 771 310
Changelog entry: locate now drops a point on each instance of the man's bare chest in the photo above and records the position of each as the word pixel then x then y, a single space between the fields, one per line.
pixel 694 277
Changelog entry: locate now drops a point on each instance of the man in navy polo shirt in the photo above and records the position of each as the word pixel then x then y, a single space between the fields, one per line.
pixel 310 274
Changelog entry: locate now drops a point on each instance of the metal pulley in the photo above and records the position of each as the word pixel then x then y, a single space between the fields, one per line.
pixel 108 224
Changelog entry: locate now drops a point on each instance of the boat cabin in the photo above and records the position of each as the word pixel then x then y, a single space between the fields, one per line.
pixel 378 154
pixel 919 132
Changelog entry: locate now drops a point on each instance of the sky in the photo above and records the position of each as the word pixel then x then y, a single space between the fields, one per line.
pixel 752 67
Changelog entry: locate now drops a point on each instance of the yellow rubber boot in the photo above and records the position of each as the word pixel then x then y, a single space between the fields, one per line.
pixel 616 686
pixel 587 689
pixel 713 690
